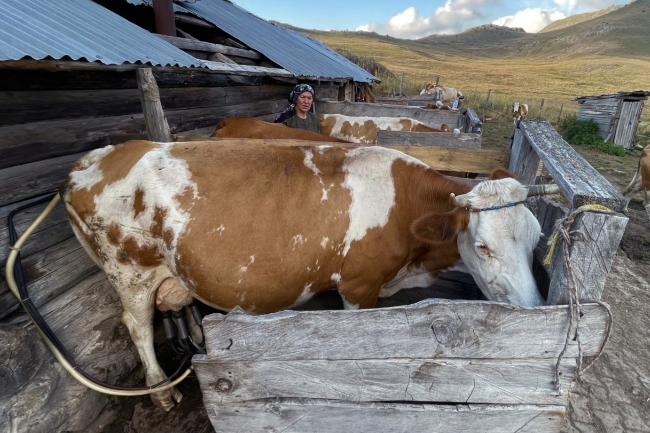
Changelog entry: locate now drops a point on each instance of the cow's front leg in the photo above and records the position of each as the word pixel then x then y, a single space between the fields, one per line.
pixel 356 296
pixel 137 315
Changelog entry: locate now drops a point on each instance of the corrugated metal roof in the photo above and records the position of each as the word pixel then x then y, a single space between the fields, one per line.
pixel 297 53
pixel 80 29
pixel 636 94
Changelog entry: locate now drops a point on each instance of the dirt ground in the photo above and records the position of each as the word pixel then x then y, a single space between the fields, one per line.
pixel 612 396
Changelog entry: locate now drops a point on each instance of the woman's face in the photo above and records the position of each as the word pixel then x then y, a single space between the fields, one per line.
pixel 304 101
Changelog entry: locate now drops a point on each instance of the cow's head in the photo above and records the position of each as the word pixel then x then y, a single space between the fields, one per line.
pixel 497 244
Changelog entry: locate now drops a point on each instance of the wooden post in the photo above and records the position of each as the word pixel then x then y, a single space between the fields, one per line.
pixel 437 79
pixel 401 85
pixel 523 159
pixel 154 116
pixel 559 117
pixel 487 99
pixel 163 12
pixel 541 106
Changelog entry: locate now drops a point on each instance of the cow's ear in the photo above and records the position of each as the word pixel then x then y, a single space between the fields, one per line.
pixel 440 227
pixel 502 173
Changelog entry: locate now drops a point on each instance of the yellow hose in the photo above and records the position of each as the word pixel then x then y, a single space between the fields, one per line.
pixel 11 281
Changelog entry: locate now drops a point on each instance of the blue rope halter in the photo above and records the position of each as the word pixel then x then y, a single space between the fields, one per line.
pixel 482 209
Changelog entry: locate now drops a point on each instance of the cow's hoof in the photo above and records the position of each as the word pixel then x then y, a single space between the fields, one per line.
pixel 167 399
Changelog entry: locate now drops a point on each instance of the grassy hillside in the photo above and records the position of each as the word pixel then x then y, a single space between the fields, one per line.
pixel 605 54
pixel 575 19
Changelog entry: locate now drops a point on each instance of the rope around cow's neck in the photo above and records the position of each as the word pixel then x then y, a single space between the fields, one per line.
pixel 563 228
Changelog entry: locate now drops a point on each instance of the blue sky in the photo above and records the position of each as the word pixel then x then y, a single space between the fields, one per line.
pixel 413 19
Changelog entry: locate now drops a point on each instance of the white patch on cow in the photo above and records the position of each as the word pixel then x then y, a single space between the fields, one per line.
pixel 89 172
pixel 324 241
pixel 245 268
pixel 336 278
pixel 298 240
pixel 309 163
pixel 220 229
pixel 369 178
pixel 305 296
pixel 348 306
pixel 160 176
pixel 324 196
pixel 417 276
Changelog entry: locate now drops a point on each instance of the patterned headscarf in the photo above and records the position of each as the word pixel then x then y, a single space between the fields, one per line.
pixel 293 97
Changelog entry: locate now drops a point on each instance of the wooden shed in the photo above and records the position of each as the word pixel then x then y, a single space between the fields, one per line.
pixel 617 115
pixel 69 85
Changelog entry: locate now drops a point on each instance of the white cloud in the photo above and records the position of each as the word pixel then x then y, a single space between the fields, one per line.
pixel 454 17
pixel 534 20
pixel 531 20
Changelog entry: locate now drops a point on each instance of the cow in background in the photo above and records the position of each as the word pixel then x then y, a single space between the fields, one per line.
pixel 641 179
pixel 364 130
pixel 447 94
pixel 519 112
pixel 249 127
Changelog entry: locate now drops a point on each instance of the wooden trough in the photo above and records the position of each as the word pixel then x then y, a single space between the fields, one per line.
pixel 437 365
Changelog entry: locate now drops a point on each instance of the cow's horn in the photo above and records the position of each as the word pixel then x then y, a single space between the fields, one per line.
pixel 550 188
pixel 460 201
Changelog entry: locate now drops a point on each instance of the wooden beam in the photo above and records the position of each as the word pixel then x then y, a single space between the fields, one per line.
pixel 435 329
pixel 322 416
pixel 579 182
pixel 440 139
pixel 190 44
pixel 247 70
pixel 524 161
pixel 498 381
pixel 195 21
pixel 154 116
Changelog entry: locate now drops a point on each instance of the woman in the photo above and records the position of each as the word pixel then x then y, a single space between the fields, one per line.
pixel 296 114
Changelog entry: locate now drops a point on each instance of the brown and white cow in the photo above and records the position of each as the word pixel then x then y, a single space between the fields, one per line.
pixel 249 127
pixel 447 94
pixel 641 179
pixel 364 130
pixel 264 228
pixel 519 112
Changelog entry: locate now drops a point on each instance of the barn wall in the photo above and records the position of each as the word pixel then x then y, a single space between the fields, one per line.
pixel 602 111
pixel 47 121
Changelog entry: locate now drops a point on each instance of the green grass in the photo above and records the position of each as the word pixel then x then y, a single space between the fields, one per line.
pixel 576 131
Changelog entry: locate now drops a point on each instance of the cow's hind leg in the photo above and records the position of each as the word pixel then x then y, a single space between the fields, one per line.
pixel 138 305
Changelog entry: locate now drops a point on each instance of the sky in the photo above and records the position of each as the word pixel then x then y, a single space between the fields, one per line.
pixel 413 19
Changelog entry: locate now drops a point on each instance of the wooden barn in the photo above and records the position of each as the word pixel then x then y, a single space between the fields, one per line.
pixel 72 83
pixel 617 115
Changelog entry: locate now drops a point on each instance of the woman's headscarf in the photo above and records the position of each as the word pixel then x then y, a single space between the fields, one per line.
pixel 293 97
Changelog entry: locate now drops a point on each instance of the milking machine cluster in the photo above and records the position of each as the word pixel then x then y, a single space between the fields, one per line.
pixel 177 330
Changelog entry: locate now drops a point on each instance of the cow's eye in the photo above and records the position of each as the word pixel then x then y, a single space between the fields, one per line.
pixel 482 248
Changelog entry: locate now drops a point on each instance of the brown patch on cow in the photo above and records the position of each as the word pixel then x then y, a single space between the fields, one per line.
pixel 502 173
pixel 287 169
pixel 158 222
pixel 249 127
pixel 114 166
pixel 138 202
pixel 406 124
pixel 143 255
pixel 114 234
pixel 366 133
pixel 440 227
pixel 326 124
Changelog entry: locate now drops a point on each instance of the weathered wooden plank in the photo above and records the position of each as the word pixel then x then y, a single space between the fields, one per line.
pixel 428 329
pixel 25 80
pixel 34 106
pixel 440 381
pixel 28 180
pixel 191 44
pixel 52 230
pixel 49 273
pixel 548 212
pixel 322 416
pixel 433 118
pixel 246 70
pixel 590 259
pixel 462 160
pixel 523 159
pixel 441 139
pixel 22 144
pixel 154 116
pixel 579 182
